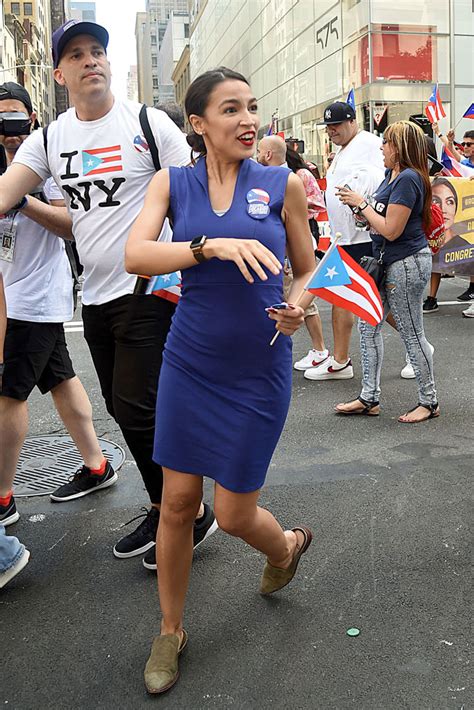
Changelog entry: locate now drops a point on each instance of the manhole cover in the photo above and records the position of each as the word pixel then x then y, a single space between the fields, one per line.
pixel 47 462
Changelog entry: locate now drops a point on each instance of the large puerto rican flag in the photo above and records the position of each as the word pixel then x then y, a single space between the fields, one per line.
pixel 344 283
pixel 435 110
pixel 453 167
pixel 96 161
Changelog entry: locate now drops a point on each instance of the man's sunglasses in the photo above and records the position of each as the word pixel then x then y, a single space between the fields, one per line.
pixel 467 145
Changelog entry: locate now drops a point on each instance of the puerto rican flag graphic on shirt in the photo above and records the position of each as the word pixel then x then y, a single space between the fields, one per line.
pixel 97 161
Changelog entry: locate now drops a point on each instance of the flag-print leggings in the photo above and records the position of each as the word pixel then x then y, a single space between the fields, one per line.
pixel 126 338
pixel 402 294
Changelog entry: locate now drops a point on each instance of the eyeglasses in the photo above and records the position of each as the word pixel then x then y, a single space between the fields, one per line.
pixel 466 144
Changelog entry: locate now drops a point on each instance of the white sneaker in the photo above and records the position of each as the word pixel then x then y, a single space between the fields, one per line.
pixel 330 370
pixel 408 372
pixel 469 312
pixel 313 359
pixel 8 575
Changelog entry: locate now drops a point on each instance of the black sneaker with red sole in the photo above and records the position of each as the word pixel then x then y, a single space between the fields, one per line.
pixel 84 482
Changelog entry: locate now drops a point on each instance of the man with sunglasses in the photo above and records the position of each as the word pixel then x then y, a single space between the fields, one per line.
pixel 467 156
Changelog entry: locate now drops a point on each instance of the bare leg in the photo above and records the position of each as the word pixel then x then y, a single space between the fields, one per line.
pixel 315 330
pixel 13 430
pixel 434 284
pixel 182 494
pixel 74 408
pixel 239 515
pixel 342 322
pixel 391 321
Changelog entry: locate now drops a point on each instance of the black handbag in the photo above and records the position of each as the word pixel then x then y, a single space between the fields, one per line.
pixel 375 268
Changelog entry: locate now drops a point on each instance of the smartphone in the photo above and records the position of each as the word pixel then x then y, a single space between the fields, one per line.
pixel 280 306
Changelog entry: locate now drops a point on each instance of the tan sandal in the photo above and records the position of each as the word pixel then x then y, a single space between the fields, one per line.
pixel 432 409
pixel 275 578
pixel 372 409
pixel 161 670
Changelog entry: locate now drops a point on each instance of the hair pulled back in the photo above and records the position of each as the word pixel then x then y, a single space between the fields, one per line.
pixel 197 99
pixel 444 182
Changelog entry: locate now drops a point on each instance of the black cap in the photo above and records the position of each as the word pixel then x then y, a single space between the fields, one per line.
pixel 71 29
pixel 338 112
pixel 10 90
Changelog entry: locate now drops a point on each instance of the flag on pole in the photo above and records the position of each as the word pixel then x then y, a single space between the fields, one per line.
pixel 344 283
pixel 435 110
pixel 453 167
pixel 167 286
pixel 351 99
pixel 272 129
pixel 470 112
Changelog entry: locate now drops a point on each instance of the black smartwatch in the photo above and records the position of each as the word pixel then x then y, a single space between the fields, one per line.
pixel 362 205
pixel 196 246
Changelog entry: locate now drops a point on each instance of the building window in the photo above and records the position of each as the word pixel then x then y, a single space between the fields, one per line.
pixel 186 29
pixel 15 8
pixel 28 8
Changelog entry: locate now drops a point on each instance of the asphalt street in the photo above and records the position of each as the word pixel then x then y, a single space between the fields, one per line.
pixel 388 504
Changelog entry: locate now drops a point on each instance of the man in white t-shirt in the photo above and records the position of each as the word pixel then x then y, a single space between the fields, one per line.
pixel 38 291
pixel 358 163
pixel 102 163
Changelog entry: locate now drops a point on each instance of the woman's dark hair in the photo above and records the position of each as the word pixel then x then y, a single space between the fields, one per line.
pixel 294 160
pixel 444 182
pixel 197 98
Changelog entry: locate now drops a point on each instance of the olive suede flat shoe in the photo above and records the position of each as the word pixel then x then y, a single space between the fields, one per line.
pixel 275 578
pixel 161 670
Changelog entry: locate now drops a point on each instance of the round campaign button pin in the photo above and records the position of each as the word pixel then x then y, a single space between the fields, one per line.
pixel 257 210
pixel 256 194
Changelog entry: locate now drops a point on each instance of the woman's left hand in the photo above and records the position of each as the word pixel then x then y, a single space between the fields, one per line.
pixel 288 320
pixel 349 197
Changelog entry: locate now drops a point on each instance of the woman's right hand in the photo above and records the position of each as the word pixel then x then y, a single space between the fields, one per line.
pixel 244 253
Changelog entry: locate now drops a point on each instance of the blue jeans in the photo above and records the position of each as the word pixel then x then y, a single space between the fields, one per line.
pixel 402 294
pixel 11 550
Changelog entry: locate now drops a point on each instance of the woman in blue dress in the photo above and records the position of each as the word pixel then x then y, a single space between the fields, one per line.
pixel 224 391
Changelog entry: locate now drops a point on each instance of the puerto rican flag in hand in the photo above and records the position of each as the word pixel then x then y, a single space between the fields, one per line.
pixel 344 283
pixel 435 110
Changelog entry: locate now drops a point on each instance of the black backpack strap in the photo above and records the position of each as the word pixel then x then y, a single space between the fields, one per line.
pixel 149 137
pixel 45 139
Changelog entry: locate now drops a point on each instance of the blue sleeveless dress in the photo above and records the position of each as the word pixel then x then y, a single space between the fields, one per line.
pixel 223 392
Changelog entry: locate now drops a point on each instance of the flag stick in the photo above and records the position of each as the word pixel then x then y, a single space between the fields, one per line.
pixel 316 271
pixel 457 124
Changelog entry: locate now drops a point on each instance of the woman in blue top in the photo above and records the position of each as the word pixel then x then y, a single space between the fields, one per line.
pixel 399 212
pixel 223 392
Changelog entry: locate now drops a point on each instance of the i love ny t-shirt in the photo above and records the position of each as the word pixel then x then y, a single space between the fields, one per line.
pixel 103 169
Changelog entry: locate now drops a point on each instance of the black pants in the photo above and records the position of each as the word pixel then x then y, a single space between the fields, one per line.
pixel 126 339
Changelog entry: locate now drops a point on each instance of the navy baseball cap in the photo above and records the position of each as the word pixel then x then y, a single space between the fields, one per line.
pixel 10 90
pixel 338 112
pixel 71 29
